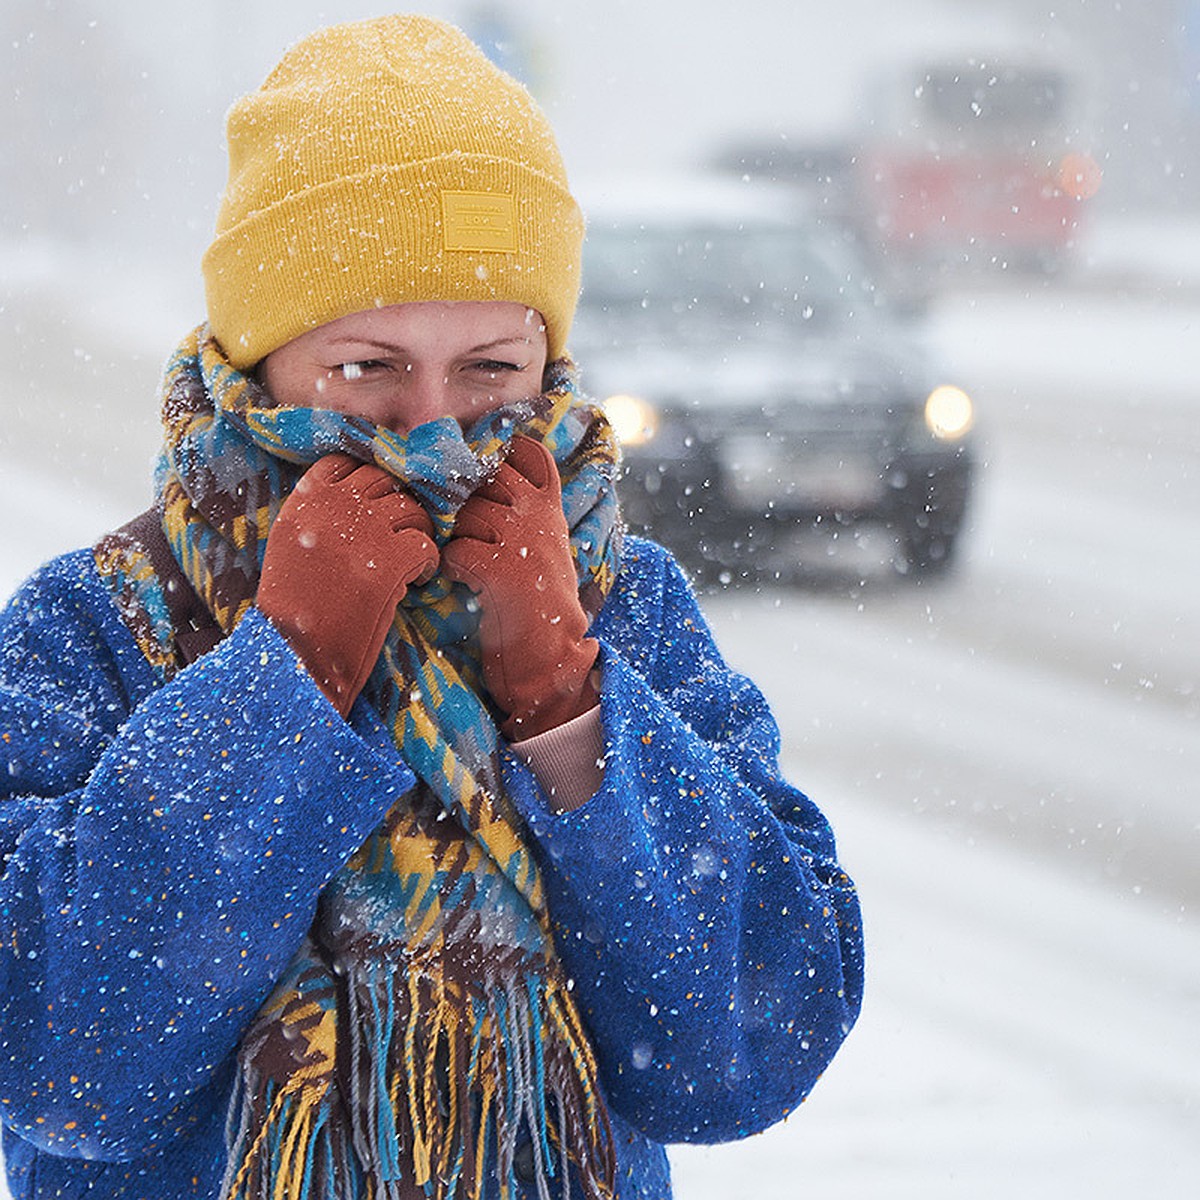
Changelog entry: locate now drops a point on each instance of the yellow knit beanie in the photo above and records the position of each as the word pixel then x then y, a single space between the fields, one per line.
pixel 387 161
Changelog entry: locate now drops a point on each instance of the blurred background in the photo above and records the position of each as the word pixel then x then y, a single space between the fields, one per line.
pixel 978 627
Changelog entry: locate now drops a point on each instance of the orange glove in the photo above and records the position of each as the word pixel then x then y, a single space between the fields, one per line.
pixel 340 556
pixel 512 548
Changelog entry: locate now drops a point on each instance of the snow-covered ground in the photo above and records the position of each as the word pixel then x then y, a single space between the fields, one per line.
pixel 1010 760
pixel 1023 1035
pixel 1009 757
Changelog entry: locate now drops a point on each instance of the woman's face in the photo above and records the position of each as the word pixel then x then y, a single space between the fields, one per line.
pixel 410 363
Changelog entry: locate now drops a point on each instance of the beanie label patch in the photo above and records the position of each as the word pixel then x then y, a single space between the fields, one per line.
pixel 479 221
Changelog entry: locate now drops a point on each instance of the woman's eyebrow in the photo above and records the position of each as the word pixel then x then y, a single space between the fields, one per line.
pixel 515 340
pixel 358 340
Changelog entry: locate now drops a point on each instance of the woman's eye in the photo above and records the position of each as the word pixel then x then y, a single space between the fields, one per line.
pixel 356 370
pixel 496 367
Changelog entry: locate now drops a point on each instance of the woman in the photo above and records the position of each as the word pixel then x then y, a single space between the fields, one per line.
pixel 378 821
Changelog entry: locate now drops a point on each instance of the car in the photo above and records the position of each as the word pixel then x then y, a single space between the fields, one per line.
pixel 768 404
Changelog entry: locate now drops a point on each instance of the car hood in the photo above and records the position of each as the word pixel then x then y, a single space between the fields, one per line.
pixel 735 375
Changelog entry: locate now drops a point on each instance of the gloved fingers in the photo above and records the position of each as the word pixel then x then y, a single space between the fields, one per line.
pixel 462 559
pixel 327 470
pixel 364 481
pixel 410 518
pixel 373 482
pixel 532 460
pixel 502 488
pixel 375 492
pixel 404 511
pixel 483 520
pixel 419 554
pixel 378 492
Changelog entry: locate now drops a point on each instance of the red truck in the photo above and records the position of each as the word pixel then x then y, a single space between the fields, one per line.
pixel 974 165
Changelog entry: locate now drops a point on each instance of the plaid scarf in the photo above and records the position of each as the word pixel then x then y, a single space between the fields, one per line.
pixel 426 1022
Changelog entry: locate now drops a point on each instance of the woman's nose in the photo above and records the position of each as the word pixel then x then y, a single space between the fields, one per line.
pixel 420 398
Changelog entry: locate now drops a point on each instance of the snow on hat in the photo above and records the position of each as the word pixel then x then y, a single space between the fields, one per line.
pixel 387 161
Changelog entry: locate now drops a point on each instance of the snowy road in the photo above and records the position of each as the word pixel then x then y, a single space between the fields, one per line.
pixel 1009 758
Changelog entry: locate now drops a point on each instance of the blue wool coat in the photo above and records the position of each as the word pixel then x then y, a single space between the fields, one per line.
pixel 164 847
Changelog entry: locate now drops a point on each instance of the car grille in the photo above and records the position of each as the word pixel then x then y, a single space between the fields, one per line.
pixel 824 427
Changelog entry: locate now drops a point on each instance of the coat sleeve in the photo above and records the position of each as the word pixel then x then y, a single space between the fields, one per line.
pixel 698 904
pixel 162 849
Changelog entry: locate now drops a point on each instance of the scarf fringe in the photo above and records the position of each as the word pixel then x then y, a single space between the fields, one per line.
pixel 434 1081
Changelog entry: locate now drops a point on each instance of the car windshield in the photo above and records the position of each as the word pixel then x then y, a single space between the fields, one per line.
pixel 692 281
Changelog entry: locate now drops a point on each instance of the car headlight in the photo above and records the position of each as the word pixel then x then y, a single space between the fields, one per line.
pixel 948 412
pixel 634 420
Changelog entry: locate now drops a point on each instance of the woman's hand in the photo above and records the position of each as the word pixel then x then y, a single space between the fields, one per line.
pixel 340 556
pixel 512 547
